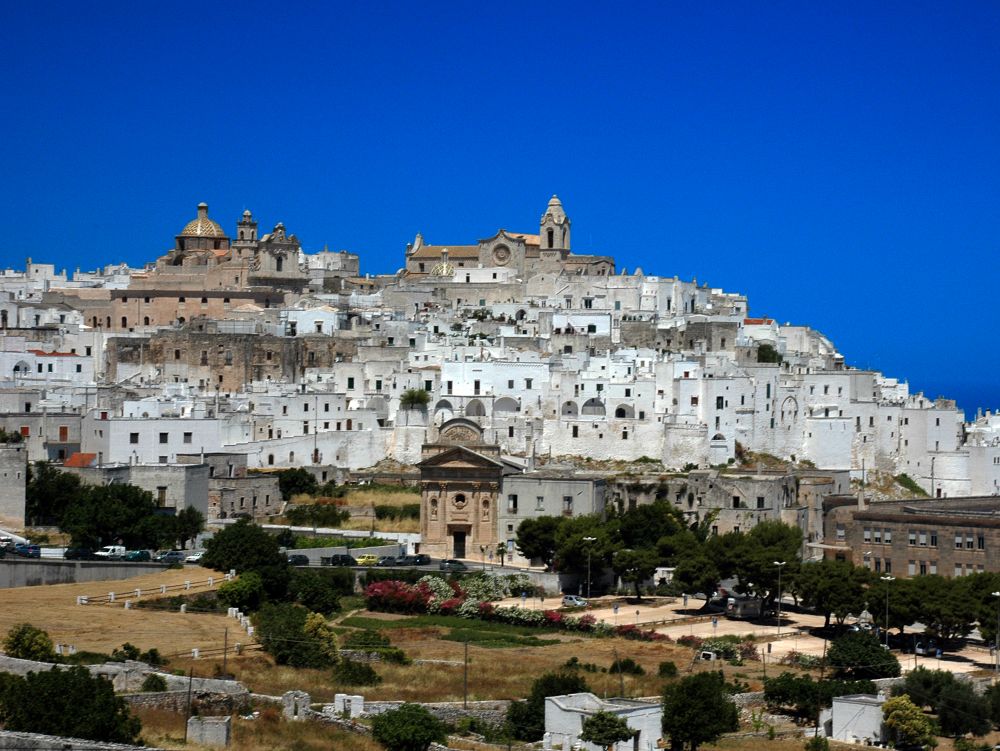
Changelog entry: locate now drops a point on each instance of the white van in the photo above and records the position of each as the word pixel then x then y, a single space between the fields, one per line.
pixel 111 552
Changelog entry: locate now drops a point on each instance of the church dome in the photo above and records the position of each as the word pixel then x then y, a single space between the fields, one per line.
pixel 202 226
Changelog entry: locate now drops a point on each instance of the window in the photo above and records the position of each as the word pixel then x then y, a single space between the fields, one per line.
pixel 527 384
pixel 887 536
pixel 933 538
pixel 719 402
pixel 350 382
pixel 188 437
pixel 539 503
pixel 923 538
pixel 694 401
pixel 841 535
pixel 867 534
pixel 923 568
pixel 736 502
pixel 968 542
pixel 912 538
pixel 567 505
pixel 512 504
pixel 164 437
pixel 510 383
pixel 576 431
pixel 877 536
pixel 161 495
pixel 980 542
pixel 133 438
pixel 163 460
pixel 911 568
pixel 760 501
pixel 958 569
pixel 958 541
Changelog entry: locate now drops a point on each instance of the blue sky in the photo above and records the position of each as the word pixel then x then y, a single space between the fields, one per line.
pixel 837 162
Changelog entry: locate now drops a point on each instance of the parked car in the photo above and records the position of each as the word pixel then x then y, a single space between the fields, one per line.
pixel 574 601
pixel 386 560
pixel 6 542
pixel 111 552
pixel 194 557
pixel 367 559
pixel 136 556
pixel 342 559
pixel 297 559
pixel 452 564
pixel 27 550
pixel 79 554
pixel 420 559
pixel 170 557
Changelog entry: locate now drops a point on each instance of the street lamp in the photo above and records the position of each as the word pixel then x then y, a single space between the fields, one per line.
pixel 887 579
pixel 996 647
pixel 588 540
pixel 780 565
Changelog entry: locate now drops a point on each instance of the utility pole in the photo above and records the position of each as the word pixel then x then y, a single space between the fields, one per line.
pixel 188 715
pixel 465 677
pixel 225 650
pixel 887 579
pixel 780 565
pixel 588 540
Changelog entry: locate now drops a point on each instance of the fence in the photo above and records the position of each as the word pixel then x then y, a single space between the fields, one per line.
pixel 163 589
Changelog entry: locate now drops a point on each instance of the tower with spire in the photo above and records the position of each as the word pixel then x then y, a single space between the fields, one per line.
pixel 555 225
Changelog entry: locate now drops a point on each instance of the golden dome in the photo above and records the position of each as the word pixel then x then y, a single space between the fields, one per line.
pixel 202 226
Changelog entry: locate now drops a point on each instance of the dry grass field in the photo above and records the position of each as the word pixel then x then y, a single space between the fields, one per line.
pixel 101 628
pixel 266 733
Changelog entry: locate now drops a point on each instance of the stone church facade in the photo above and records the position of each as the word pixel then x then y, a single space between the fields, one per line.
pixel 460 482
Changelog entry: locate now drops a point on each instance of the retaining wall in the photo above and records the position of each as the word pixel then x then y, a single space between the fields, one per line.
pixel 28 572
pixel 28 741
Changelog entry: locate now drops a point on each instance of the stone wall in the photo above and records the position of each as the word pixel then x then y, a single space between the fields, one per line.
pixel 451 712
pixel 27 572
pixel 204 702
pixel 29 741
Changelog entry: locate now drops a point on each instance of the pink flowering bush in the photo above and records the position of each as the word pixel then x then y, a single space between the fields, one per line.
pixel 397 597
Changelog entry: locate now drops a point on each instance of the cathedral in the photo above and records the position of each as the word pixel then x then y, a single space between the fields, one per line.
pixel 526 254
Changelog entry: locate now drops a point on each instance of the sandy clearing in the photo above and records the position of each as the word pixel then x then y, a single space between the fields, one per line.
pixel 102 628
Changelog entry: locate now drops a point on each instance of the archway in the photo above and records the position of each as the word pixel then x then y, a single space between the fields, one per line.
pixel 475 408
pixel 624 410
pixel 593 406
pixel 505 405
pixel 569 409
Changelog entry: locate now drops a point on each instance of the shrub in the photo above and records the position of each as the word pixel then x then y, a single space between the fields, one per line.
pixel 667 669
pixel 397 597
pixel 126 651
pixel 627 666
pixel 27 642
pixel 318 591
pixel 438 587
pixel 294 636
pixel 409 728
pixel 153 657
pixel 353 673
pixel 153 682
pixel 245 592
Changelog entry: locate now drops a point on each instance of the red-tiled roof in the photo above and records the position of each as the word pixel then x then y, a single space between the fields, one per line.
pixel 757 321
pixel 40 353
pixel 81 460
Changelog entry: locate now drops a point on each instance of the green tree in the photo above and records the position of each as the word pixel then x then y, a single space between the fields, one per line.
pixel 961 710
pixel 153 683
pixel 767 353
pixel 103 514
pixel 409 728
pixel 27 642
pixel 992 696
pixel 907 724
pixel 832 588
pixel 502 552
pixel 526 719
pixel 296 481
pixel 536 538
pixel 947 607
pixel 189 523
pixel 69 703
pixel 244 546
pixel 605 729
pixel 860 656
pixel 643 526
pixel 635 566
pixel 698 573
pixel 414 399
pixel 573 549
pixel 318 591
pixel 291 638
pixel 245 592
pixel 49 493
pixel 697 709
pixel 924 686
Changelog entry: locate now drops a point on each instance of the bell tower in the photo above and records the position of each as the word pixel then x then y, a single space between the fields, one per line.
pixel 246 236
pixel 554 230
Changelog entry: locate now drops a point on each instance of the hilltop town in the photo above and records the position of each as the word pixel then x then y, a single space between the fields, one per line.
pixel 638 447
